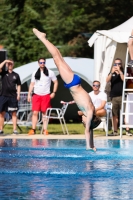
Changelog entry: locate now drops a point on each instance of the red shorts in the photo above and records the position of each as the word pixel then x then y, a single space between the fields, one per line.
pixel 41 103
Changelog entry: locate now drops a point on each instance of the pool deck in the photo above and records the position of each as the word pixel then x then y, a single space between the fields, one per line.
pixel 51 136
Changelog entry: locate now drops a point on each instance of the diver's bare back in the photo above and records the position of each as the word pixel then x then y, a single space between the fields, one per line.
pixel 81 98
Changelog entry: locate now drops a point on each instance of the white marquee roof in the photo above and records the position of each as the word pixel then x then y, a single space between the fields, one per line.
pixel 119 34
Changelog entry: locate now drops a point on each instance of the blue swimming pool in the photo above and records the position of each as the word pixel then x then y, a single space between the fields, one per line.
pixel 63 169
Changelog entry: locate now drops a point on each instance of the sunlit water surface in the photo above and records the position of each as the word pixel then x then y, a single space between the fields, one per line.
pixel 62 169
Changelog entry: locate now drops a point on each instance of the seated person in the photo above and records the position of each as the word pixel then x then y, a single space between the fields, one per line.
pixel 99 100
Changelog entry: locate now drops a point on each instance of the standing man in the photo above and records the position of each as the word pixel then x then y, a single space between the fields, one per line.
pixel 116 78
pixel 41 98
pixel 10 93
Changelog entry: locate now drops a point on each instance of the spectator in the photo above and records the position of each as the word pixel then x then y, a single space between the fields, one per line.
pixel 41 97
pixel 10 93
pixel 130 49
pixel 116 78
pixel 99 100
pixel 73 83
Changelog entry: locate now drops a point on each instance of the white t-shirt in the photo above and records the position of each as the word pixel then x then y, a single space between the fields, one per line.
pixel 42 86
pixel 98 98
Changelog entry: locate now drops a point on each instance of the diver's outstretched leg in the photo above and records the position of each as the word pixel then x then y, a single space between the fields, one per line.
pixel 64 69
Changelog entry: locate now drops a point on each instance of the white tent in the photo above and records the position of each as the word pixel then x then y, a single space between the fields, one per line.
pixel 108 45
pixel 84 67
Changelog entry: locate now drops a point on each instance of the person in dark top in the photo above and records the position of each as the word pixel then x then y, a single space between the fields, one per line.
pixel 116 78
pixel 10 93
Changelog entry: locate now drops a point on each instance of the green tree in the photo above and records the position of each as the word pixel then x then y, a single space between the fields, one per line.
pixel 17 21
pixel 65 22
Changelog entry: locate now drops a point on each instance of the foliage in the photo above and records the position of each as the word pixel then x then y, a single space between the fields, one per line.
pixel 17 21
pixel 63 21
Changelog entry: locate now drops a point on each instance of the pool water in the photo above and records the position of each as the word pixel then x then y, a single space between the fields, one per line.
pixel 63 169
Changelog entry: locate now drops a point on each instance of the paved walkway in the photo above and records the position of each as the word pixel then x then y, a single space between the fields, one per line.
pixel 51 136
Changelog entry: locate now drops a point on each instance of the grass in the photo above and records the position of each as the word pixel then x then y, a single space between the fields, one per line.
pixel 55 129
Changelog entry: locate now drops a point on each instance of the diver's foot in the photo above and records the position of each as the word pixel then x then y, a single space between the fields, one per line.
pixel 95 122
pixel 93 149
pixel 39 34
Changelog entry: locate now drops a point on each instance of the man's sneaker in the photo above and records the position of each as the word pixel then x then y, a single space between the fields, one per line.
pixel 15 132
pixel 113 133
pixel 1 132
pixel 45 132
pixel 31 132
pixel 95 122
pixel 130 63
pixel 128 133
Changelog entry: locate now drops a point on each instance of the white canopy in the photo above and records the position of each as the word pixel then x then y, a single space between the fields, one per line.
pixel 109 45
pixel 84 67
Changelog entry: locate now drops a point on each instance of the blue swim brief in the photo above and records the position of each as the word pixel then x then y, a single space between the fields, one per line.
pixel 76 81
